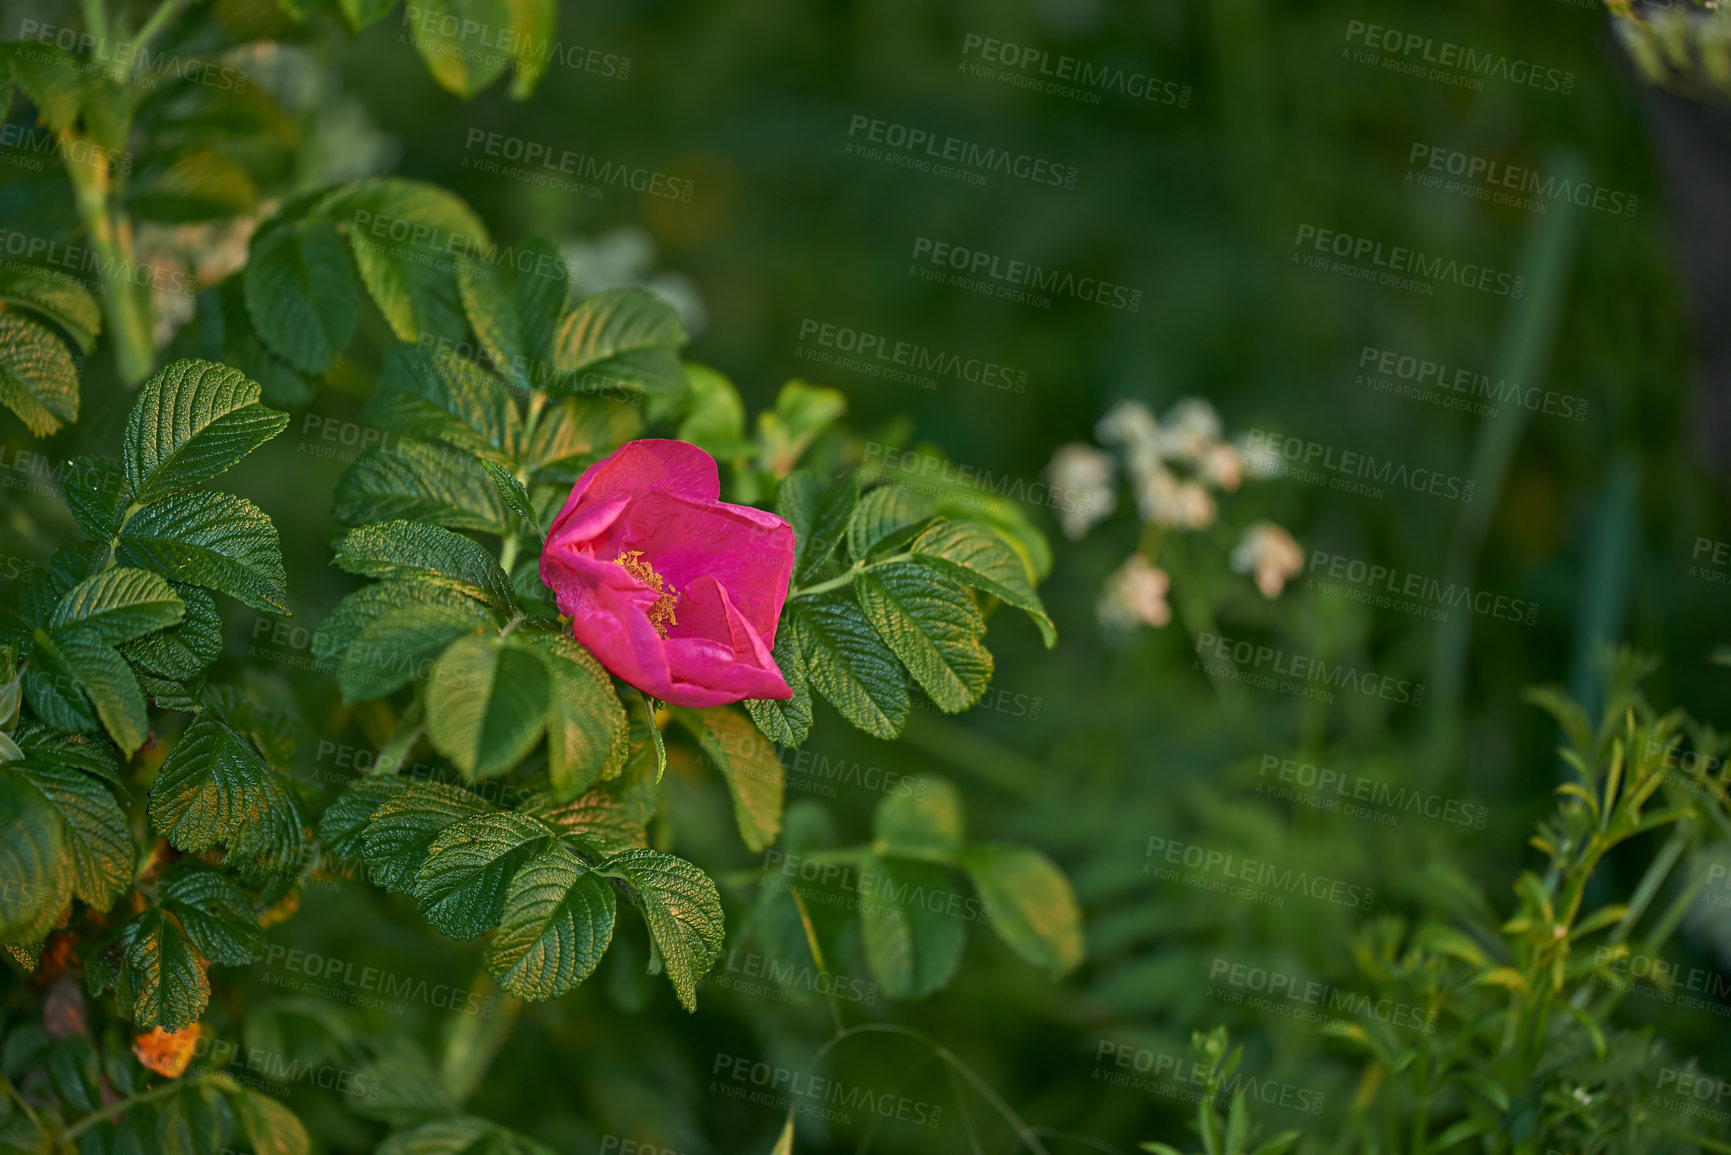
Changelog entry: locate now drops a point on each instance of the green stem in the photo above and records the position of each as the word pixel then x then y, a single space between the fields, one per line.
pixel 846 578
pixel 110 234
pixel 115 1110
pixel 165 12
pixel 474 1040
pixel 29 1111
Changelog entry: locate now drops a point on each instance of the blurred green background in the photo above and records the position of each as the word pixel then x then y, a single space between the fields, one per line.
pixel 1106 741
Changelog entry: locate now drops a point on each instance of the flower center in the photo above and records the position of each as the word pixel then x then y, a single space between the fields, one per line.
pixel 661 613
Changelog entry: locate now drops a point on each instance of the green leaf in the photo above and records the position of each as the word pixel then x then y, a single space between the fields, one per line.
pixel 516 306
pixel 190 183
pixel 977 557
pixel 683 910
pixel 214 913
pixel 462 1135
pixel 54 296
pixel 78 751
pixel 215 787
pixel 161 983
pixel 626 336
pixel 601 822
pixel 512 493
pixel 38 380
pixel 557 923
pixel 405 825
pixel 418 481
pixel 461 62
pixel 884 513
pixel 33 851
pixel 461 885
pixel 586 722
pixel 97 495
pixel 796 502
pixel 577 430
pixel 397 646
pixel 96 835
pixel 270 1127
pixel 192 421
pixel 933 626
pixel 750 764
pixel 180 654
pixel 300 294
pixel 850 665
pixel 75 660
pixel 443 397
pixel 534 23
pixel 924 822
pixel 361 14
pixel 487 702
pixel 829 524
pixel 912 941
pixel 716 422
pixel 786 721
pixel 801 413
pixel 118 605
pixel 404 234
pixel 52 78
pixel 343 825
pixel 215 540
pixel 395 549
pixel 1031 904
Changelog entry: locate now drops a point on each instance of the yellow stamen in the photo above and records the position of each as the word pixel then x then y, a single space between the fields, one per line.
pixel 661 613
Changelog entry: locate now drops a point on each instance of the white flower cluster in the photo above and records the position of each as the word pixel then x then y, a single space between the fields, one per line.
pixel 1175 465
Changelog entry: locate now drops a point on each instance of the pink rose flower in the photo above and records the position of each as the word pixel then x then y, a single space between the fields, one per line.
pixel 673 590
